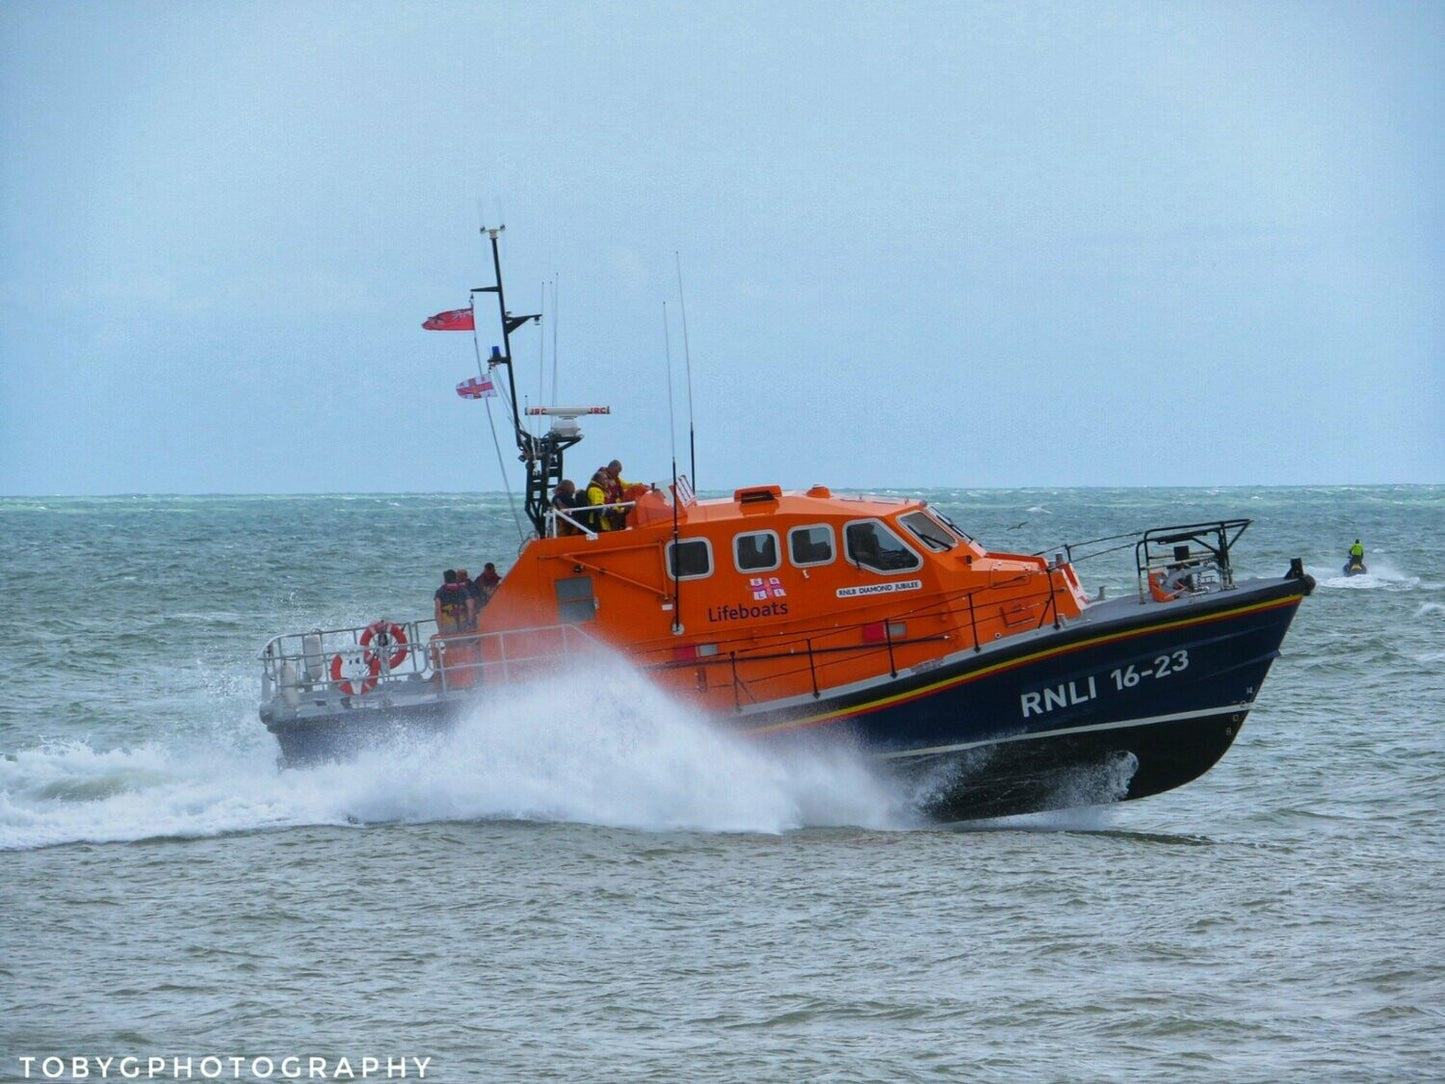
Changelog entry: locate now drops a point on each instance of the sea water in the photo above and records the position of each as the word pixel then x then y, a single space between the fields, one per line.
pixel 587 881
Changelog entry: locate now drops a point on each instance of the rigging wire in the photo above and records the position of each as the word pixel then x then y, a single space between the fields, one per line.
pixel 1070 547
pixel 501 466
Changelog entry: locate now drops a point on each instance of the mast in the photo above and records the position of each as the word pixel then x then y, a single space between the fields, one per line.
pixel 542 455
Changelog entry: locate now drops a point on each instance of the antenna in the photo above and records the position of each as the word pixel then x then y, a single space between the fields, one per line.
pixel 672 436
pixel 542 358
pixel 687 361
pixel 671 419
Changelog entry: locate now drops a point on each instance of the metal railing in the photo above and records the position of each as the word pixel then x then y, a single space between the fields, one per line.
pixel 583 521
pixel 1187 559
pixel 756 672
pixel 388 662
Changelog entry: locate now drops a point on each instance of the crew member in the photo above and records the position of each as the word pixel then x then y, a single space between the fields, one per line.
pixel 564 500
pixel 474 593
pixel 615 470
pixel 452 605
pixel 616 491
pixel 488 582
pixel 597 495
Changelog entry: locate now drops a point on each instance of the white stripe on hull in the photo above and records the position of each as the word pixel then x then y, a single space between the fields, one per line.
pixel 1120 724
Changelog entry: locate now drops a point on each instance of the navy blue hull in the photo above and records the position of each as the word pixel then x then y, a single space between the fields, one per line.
pixel 307 742
pixel 1134 701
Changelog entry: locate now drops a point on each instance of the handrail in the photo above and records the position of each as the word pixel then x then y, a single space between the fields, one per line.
pixel 332 668
pixel 802 646
pixel 948 607
pixel 552 515
pixel 1195 555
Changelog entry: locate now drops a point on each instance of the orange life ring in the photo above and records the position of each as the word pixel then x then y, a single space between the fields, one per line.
pixel 362 687
pixel 388 632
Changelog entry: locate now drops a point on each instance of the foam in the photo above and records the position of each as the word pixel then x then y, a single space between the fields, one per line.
pixel 1380 576
pixel 607 748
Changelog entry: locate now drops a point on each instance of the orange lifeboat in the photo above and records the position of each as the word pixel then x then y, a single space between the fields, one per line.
pixel 874 621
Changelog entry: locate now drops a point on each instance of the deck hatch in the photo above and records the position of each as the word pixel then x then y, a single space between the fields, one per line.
pixel 759 495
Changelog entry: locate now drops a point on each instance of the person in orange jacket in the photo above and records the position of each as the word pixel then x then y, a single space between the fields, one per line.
pixel 616 487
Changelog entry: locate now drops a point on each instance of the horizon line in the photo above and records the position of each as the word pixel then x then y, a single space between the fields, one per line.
pixel 133 494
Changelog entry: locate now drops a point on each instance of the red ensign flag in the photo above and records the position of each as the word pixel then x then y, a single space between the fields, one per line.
pixel 455 320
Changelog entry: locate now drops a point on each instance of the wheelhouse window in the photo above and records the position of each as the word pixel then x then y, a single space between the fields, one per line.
pixel 873 546
pixel 756 552
pixel 810 545
pixel 690 559
pixel 928 531
pixel 954 527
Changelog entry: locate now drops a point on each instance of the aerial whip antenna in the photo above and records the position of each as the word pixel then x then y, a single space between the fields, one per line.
pixel 672 436
pixel 542 358
pixel 687 362
pixel 556 313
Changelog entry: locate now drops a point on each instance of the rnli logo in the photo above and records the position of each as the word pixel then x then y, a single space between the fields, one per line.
pixel 766 589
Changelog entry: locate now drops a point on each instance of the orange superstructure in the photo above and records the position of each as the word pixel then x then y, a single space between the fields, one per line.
pixel 769 596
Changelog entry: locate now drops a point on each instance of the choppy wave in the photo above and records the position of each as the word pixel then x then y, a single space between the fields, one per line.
pixel 1295 884
pixel 623 757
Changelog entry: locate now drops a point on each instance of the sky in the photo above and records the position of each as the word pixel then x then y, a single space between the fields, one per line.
pixel 913 244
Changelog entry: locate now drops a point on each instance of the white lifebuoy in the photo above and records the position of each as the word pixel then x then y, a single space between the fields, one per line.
pixel 364 685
